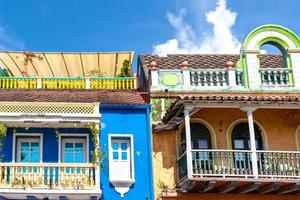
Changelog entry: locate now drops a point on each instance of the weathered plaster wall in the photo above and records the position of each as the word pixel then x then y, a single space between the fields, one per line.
pixel 279 125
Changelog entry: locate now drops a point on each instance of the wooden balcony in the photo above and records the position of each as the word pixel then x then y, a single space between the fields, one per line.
pixel 68 83
pixel 51 179
pixel 233 171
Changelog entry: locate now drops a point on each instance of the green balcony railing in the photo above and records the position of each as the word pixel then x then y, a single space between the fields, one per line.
pixel 275 76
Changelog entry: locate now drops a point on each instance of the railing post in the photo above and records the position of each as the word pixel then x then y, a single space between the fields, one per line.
pixel 87 82
pixel 154 77
pixel 252 141
pixel 231 75
pixel 39 83
pixel 188 142
pixel 135 81
pixel 186 78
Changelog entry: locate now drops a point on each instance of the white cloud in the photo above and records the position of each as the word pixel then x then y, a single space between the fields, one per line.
pixel 221 40
pixel 8 41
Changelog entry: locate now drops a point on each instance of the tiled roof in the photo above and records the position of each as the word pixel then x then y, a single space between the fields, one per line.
pixel 273 97
pixel 120 97
pixel 231 98
pixel 206 61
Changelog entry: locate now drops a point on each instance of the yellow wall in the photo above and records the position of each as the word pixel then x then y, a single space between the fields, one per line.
pixel 279 125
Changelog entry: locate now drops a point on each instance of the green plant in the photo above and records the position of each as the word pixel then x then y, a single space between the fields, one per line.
pixel 96 73
pixel 125 70
pixel 3 131
pixel 98 155
pixel 4 72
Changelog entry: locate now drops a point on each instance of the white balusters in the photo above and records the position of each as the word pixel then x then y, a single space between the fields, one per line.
pixel 49 175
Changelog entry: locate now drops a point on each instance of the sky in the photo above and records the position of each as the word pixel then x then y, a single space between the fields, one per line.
pixel 143 26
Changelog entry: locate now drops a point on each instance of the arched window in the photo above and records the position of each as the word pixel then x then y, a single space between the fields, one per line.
pixel 241 137
pixel 200 137
pixel 273 64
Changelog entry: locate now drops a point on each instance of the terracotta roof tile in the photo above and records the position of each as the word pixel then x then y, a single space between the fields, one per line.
pixel 120 97
pixel 289 97
pixel 206 61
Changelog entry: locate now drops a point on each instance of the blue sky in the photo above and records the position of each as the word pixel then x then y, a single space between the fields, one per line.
pixel 142 26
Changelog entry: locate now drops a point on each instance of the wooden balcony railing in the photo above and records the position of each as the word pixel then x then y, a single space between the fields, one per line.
pixel 68 83
pixel 48 175
pixel 275 76
pixel 221 163
pixel 275 164
pixel 238 164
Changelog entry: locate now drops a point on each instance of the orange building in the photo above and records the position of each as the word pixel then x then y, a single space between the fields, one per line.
pixel 230 123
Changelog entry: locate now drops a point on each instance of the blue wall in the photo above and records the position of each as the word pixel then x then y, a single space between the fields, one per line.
pixel 50 141
pixel 128 120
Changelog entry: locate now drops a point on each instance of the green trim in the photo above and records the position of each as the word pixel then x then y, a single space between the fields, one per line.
pixel 63 78
pixel 245 74
pixel 289 66
pixel 112 78
pixel 21 78
pixel 272 27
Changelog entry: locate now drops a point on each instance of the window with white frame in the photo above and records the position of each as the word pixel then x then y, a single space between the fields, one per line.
pixel 74 149
pixel 29 149
pixel 121 158
pixel 121 162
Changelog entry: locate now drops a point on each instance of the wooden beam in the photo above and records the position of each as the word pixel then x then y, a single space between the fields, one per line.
pixel 65 63
pixel 268 188
pixel 227 187
pixel 187 185
pixel 49 64
pixel 249 188
pixel 289 188
pixel 207 186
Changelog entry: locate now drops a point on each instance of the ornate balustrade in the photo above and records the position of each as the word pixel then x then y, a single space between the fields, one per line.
pixel 195 79
pixel 275 164
pixel 113 83
pixel 275 76
pixel 208 77
pixel 68 83
pixel 221 163
pixel 238 164
pixel 17 82
pixel 48 175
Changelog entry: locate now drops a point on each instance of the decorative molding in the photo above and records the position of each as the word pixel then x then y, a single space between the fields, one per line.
pixel 122 187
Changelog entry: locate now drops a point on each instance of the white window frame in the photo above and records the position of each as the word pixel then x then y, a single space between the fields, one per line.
pixel 27 137
pixel 75 137
pixel 121 186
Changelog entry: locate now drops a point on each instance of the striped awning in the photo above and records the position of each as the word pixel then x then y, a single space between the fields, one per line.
pixel 63 64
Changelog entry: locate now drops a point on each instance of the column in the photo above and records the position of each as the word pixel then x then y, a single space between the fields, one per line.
pixel 188 142
pixel 154 78
pixel 253 68
pixel 252 142
pixel 295 62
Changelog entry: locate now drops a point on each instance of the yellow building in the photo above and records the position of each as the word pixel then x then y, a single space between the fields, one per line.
pixel 231 127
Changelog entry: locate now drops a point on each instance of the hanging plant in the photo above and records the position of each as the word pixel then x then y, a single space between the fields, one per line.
pixel 98 155
pixel 3 131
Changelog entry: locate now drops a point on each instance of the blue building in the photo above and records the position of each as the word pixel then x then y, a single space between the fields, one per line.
pixel 67 132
